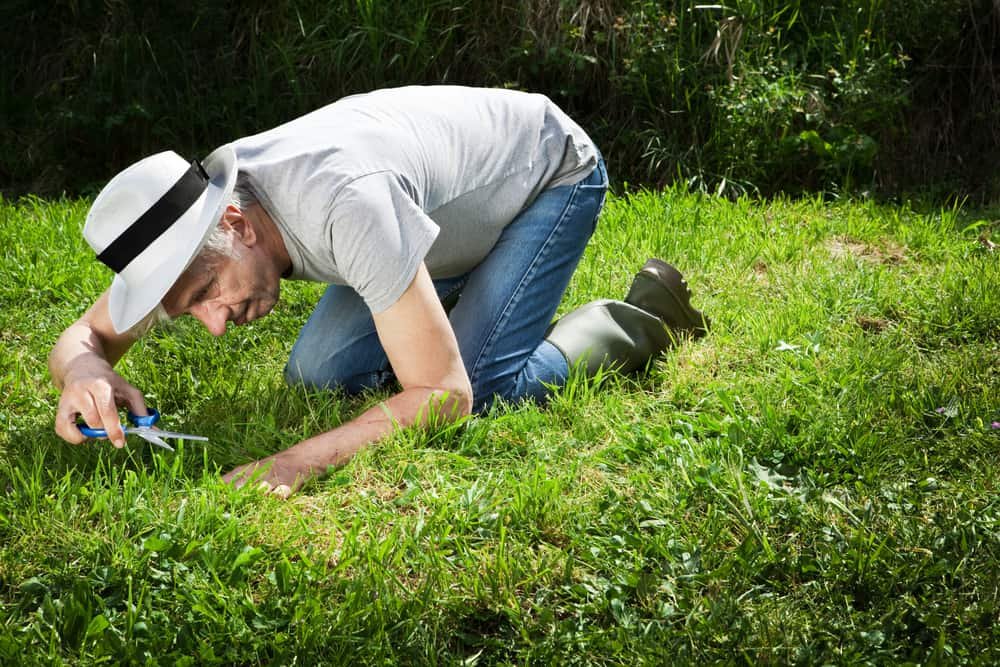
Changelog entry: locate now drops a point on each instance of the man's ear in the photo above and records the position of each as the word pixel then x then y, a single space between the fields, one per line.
pixel 233 218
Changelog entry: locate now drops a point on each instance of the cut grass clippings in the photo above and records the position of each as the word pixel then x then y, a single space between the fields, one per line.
pixel 814 482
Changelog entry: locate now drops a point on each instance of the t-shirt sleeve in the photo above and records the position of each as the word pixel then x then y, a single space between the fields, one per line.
pixel 379 235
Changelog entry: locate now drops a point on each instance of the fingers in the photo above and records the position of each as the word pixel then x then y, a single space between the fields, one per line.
pixel 66 425
pixel 95 399
pixel 107 411
pixel 283 491
pixel 241 475
pixel 262 473
pixel 86 408
pixel 133 398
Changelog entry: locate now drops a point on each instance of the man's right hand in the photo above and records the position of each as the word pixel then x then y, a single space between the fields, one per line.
pixel 82 365
pixel 96 395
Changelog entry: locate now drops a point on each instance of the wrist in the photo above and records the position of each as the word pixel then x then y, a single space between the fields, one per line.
pixel 79 373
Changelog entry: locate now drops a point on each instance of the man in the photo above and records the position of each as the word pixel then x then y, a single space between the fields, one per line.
pixel 447 221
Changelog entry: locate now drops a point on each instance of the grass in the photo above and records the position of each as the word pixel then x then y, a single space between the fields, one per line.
pixel 815 482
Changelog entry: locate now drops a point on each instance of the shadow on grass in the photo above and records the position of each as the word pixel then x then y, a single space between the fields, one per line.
pixel 240 429
pixel 256 420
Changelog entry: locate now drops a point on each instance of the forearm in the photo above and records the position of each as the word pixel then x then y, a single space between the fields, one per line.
pixel 76 346
pixel 424 355
pixel 90 344
pixel 415 406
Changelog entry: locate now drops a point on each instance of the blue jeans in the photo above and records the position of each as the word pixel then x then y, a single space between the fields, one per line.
pixel 503 308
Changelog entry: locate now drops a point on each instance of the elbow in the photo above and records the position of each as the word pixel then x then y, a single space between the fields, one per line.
pixel 465 407
pixel 460 398
pixel 453 400
pixel 443 400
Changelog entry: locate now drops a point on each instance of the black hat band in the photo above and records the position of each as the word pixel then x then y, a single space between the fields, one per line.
pixel 157 219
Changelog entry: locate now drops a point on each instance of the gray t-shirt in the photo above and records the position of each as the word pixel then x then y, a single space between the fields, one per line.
pixel 366 188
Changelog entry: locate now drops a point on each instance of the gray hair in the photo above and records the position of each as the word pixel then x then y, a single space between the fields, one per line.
pixel 157 317
pixel 243 194
pixel 219 243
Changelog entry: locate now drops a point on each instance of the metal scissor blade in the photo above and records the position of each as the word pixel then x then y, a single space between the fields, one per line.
pixel 149 436
pixel 181 436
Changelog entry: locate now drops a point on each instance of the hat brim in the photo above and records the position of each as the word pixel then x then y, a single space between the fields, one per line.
pixel 133 297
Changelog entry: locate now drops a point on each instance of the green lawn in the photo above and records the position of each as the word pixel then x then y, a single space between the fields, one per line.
pixel 814 482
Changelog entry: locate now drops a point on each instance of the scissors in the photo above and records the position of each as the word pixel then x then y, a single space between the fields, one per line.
pixel 142 426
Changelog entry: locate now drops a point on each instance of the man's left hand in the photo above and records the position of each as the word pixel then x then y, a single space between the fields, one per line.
pixel 276 474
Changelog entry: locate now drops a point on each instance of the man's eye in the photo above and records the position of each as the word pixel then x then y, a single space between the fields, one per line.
pixel 202 293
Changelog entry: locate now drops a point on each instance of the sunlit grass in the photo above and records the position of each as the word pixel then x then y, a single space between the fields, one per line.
pixel 813 482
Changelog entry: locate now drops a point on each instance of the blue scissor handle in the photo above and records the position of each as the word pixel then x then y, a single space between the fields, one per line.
pixel 134 419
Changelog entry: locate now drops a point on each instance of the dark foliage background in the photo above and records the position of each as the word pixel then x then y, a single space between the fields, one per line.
pixel 748 96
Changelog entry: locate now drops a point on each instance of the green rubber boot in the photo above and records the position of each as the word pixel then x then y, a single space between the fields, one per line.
pixel 660 289
pixel 610 334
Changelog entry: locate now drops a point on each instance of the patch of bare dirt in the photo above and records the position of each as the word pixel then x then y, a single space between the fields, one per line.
pixel 872 324
pixel 888 253
pixel 760 272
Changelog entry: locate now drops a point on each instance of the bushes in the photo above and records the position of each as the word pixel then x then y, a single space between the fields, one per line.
pixel 757 95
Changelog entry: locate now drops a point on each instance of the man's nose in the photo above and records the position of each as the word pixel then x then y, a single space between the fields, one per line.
pixel 212 316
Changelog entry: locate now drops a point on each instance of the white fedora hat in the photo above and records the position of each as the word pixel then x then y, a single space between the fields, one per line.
pixel 149 222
